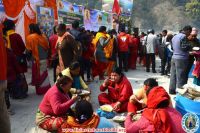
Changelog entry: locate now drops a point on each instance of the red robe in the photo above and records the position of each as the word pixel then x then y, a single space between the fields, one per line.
pixel 18 47
pixel 3 57
pixel 133 47
pixel 13 67
pixel 119 92
pixel 89 53
pixel 53 41
pixel 123 42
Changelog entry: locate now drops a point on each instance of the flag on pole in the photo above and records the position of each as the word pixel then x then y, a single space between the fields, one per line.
pixel 116 8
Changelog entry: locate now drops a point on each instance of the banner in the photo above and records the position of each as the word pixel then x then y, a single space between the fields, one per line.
pixel 68 13
pixel 125 5
pixel 45 19
pixel 69 18
pixel 93 19
pixel 107 20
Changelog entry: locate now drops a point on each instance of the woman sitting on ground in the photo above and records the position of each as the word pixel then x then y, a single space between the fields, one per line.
pixel 73 72
pixel 85 118
pixel 55 105
pixel 158 116
pixel 119 91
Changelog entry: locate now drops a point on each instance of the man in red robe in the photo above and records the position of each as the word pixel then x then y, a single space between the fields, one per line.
pixel 123 48
pixel 133 48
pixel 119 91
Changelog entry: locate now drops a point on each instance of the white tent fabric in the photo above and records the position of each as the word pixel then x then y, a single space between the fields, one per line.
pixel 20 26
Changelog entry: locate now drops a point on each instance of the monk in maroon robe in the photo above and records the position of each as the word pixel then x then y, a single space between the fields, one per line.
pixel 133 48
pixel 16 44
pixel 119 91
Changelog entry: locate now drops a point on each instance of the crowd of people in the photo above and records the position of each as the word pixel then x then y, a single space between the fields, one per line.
pixel 76 53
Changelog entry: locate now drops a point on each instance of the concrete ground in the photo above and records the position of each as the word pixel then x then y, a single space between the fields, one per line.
pixel 23 119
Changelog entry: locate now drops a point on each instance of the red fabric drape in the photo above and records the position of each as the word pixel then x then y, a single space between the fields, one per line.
pixel 13 8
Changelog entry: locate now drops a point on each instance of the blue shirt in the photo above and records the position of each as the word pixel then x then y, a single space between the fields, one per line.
pixel 178 52
pixel 76 82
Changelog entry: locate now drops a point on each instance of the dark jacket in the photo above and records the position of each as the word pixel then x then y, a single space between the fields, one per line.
pixel 68 50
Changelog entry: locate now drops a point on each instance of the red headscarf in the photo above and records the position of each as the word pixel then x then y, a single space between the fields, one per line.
pixel 159 117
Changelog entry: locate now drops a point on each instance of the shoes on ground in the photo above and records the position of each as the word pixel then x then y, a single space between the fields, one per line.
pixel 172 92
pixel 154 71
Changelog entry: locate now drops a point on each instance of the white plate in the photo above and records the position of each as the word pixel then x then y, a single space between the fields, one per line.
pixel 195 48
pixel 84 92
pixel 119 118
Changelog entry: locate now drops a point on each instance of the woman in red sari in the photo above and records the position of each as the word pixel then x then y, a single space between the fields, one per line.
pixel 37 45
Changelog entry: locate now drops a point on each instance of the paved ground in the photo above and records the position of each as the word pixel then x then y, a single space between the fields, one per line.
pixel 23 119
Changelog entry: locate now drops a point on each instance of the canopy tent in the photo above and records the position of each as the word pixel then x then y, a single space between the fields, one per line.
pixel 23 12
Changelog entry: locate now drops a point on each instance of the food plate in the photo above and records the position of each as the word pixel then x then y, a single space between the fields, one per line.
pixel 107 108
pixel 119 118
pixel 196 48
pixel 136 117
pixel 84 92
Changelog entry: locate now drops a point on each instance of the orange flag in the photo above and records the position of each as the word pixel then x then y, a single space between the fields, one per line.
pixel 116 8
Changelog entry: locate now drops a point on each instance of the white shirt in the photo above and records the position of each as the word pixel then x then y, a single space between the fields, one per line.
pixel 151 43
pixel 164 38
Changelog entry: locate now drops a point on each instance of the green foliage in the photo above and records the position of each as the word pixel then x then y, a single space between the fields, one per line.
pixel 193 9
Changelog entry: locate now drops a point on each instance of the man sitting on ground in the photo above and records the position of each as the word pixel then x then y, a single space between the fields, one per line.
pixel 119 91
pixel 158 117
pixel 139 99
